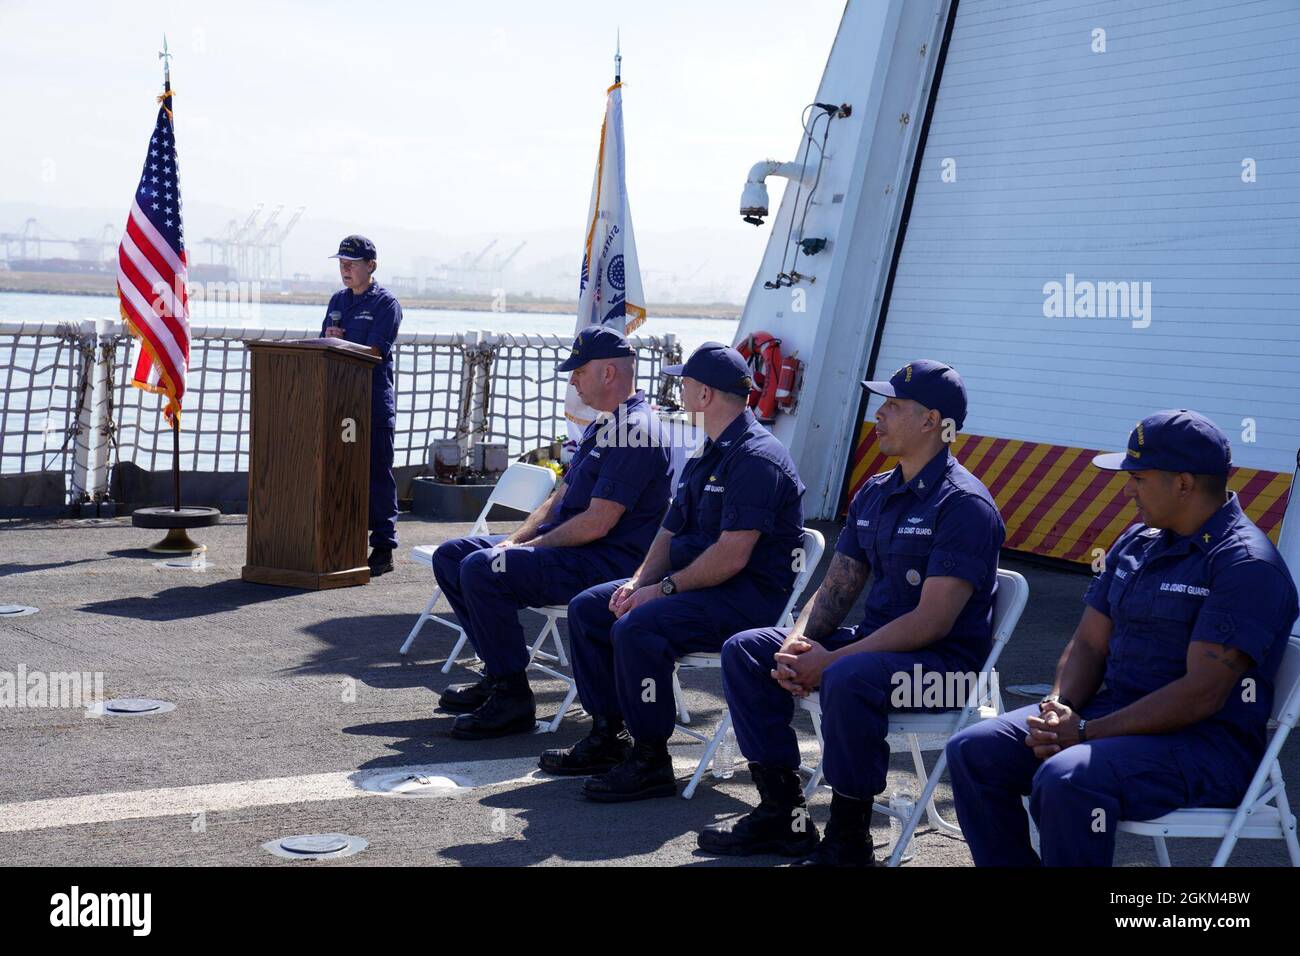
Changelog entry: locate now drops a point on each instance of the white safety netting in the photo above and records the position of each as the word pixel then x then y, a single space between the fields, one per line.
pixel 427 373
pixel 45 369
pixel 525 394
pixel 67 405
pixel 429 388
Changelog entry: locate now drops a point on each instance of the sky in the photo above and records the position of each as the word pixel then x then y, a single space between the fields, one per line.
pixel 455 121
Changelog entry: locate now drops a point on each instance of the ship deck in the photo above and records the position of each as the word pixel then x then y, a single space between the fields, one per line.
pixel 285 698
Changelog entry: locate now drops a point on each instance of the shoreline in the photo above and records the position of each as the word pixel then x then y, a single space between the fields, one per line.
pixel 44 283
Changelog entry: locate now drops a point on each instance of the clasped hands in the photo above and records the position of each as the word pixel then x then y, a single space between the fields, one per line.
pixel 1056 728
pixel 799 665
pixel 629 596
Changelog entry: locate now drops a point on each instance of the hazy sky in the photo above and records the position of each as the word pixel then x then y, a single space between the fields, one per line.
pixel 464 118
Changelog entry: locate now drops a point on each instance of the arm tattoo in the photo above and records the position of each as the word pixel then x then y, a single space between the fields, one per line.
pixel 843 583
pixel 1235 661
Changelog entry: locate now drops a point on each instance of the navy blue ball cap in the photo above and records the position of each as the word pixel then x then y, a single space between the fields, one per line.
pixel 717 366
pixel 356 247
pixel 928 383
pixel 1174 440
pixel 595 342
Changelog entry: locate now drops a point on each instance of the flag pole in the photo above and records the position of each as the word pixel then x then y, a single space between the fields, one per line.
pixel 176 520
pixel 167 65
pixel 618 56
pixel 176 460
pixel 166 57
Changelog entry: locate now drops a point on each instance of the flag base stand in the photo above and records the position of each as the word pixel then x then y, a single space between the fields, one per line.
pixel 177 522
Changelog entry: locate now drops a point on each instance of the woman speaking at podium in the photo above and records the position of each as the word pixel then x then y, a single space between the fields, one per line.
pixel 368 314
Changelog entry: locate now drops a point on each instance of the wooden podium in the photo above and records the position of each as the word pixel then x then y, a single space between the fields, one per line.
pixel 308 485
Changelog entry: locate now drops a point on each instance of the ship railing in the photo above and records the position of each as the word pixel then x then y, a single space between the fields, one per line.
pixel 71 418
pixel 46 410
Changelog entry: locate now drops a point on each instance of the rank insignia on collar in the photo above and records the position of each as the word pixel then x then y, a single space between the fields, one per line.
pixel 920 483
pixel 713 477
pixel 1206 537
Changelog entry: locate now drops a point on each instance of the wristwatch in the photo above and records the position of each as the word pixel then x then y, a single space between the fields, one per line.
pixel 1055 698
pixel 668 585
pixel 1083 729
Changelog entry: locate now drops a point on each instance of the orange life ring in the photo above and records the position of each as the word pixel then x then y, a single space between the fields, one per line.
pixel 763 353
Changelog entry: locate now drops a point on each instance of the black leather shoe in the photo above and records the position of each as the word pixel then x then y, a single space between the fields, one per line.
pixel 646 772
pixel 848 836
pixel 380 561
pixel 779 824
pixel 465 698
pixel 509 709
pixel 604 748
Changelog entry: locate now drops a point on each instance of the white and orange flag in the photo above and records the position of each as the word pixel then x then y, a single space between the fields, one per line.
pixel 610 291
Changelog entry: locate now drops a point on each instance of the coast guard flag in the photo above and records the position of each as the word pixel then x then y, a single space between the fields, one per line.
pixel 151 270
pixel 610 290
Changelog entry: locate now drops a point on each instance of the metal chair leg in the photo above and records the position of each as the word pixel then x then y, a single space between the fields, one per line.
pixel 924 804
pixel 536 646
pixel 683 715
pixel 929 783
pixel 410 638
pixel 816 778
pixel 706 758
pixel 554 724
pixel 1033 829
pixel 455 651
pixel 559 644
pixel 551 630
pixel 1162 851
pixel 424 616
pixel 1288 824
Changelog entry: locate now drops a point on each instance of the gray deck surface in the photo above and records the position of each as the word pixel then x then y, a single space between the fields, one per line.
pixel 296 693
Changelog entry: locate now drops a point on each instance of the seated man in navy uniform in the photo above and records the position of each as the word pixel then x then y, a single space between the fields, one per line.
pixel 930 532
pixel 725 556
pixel 368 314
pixel 595 525
pixel 1185 626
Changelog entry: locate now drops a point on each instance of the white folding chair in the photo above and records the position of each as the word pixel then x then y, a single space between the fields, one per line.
pixel 553 613
pixel 984 701
pixel 522 487
pixel 559 612
pixel 813 545
pixel 1264 812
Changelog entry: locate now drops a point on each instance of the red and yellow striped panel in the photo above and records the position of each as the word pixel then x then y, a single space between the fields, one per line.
pixel 1055 503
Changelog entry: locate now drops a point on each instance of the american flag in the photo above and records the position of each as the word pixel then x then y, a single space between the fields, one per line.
pixel 151 269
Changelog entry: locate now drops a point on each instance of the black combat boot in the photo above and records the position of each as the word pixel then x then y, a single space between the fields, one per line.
pixel 779 824
pixel 509 709
pixel 604 748
pixel 380 561
pixel 848 835
pixel 646 772
pixel 464 698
